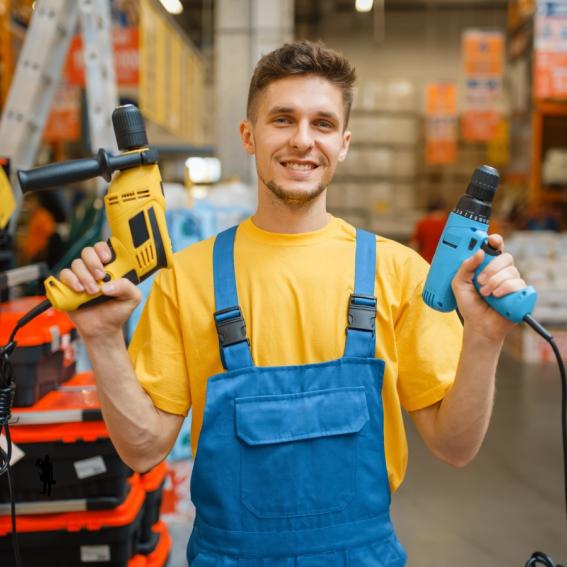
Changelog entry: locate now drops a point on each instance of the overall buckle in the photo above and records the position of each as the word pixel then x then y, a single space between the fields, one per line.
pixel 362 312
pixel 231 327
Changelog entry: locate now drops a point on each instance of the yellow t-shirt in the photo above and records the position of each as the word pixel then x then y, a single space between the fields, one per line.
pixel 293 290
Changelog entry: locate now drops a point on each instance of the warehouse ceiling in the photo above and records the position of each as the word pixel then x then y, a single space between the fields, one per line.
pixel 197 18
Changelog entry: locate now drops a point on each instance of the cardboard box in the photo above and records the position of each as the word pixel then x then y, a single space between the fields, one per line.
pixel 404 163
pixel 525 345
pixel 401 95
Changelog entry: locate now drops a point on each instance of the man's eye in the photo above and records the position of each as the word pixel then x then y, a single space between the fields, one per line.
pixel 282 120
pixel 324 124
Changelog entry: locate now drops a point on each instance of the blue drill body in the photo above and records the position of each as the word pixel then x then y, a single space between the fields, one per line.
pixel 464 233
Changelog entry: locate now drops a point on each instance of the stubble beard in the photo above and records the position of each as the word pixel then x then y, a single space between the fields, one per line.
pixel 291 196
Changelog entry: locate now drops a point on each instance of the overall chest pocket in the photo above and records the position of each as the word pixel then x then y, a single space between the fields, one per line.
pixel 299 451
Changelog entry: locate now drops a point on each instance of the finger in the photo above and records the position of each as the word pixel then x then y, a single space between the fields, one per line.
pixel 84 275
pixel 122 289
pixel 496 241
pixel 509 286
pixel 93 262
pixel 508 273
pixel 499 263
pixel 70 279
pixel 103 251
pixel 468 267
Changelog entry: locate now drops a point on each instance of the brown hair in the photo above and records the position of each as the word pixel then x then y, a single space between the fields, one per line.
pixel 302 58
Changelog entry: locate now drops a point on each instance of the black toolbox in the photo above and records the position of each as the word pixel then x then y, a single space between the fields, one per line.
pixel 45 353
pixel 152 482
pixel 68 455
pixel 107 538
pixel 159 555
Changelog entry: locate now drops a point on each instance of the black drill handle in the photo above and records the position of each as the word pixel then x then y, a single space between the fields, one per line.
pixel 62 173
pixel 73 171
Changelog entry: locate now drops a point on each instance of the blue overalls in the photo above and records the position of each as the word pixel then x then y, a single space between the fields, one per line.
pixel 290 469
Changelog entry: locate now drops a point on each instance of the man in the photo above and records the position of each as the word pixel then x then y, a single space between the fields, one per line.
pixel 297 425
pixel 428 230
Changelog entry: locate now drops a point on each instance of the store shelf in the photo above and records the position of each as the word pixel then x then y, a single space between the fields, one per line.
pixel 549 124
pixel 385 112
pixel 386 146
pixel 374 178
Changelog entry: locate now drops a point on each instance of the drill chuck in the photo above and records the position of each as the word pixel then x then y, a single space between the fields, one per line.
pixel 129 128
pixel 483 183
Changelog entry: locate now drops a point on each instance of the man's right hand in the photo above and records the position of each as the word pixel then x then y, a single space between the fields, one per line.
pixel 105 319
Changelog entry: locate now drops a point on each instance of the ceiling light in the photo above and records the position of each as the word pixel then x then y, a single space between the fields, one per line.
pixel 364 5
pixel 203 170
pixel 172 6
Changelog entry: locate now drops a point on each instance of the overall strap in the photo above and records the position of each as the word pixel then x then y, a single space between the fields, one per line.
pixel 231 328
pixel 361 328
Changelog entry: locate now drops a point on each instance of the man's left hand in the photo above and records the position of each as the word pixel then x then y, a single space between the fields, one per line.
pixel 498 278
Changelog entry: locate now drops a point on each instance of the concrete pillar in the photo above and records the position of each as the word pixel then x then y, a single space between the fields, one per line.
pixel 244 31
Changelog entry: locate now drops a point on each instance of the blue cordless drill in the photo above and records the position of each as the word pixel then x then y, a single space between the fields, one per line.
pixel 465 232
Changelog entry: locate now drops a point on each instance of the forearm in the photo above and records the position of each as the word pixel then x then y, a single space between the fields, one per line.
pixel 134 423
pixel 463 416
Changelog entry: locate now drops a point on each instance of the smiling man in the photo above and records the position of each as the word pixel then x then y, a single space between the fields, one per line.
pixel 296 340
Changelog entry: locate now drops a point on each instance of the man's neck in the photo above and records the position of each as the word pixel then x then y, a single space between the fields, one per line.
pixel 274 215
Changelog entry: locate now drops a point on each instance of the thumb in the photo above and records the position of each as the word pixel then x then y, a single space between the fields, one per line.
pixel 121 289
pixel 466 272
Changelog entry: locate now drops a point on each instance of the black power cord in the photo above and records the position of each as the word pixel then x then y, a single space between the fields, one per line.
pixel 7 392
pixel 540 558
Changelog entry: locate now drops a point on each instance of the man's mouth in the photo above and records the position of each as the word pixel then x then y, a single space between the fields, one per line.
pixel 299 165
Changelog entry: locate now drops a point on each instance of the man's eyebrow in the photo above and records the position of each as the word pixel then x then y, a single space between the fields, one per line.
pixel 291 110
pixel 330 115
pixel 281 110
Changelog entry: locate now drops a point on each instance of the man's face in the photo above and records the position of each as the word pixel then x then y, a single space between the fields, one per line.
pixel 297 136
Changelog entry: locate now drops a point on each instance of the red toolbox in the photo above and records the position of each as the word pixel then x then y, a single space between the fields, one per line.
pixel 152 482
pixel 107 538
pixel 45 353
pixel 69 460
pixel 160 555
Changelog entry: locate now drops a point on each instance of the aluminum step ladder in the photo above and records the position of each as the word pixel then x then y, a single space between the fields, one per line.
pixel 37 76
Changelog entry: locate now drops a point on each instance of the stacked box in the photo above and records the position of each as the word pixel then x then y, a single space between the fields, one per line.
pixel 160 555
pixel 45 353
pixel 86 506
pixel 106 537
pixel 541 258
pixel 63 433
pixel 525 345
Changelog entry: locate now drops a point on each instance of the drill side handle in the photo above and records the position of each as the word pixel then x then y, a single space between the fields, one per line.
pixel 73 171
pixel 62 173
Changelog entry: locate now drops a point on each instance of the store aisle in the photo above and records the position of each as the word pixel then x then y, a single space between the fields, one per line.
pixel 500 509
pixel 509 502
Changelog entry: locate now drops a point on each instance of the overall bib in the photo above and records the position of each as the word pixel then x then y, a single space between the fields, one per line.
pixel 290 468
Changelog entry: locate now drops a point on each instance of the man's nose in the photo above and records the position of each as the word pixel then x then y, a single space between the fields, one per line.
pixel 302 138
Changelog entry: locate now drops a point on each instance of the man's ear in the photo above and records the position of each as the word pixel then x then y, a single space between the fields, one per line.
pixel 346 144
pixel 247 137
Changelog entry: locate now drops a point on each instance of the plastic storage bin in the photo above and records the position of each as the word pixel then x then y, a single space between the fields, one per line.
pixel 45 353
pixel 103 538
pixel 82 462
pixel 152 482
pixel 160 554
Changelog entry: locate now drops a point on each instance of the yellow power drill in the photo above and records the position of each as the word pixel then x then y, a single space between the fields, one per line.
pixel 134 204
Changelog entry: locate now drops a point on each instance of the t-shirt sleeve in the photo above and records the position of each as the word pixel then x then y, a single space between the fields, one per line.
pixel 429 347
pixel 157 351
